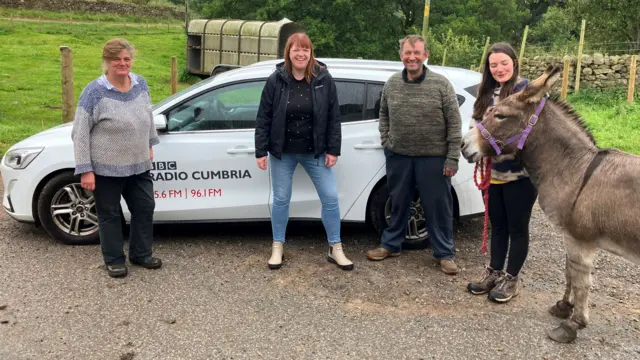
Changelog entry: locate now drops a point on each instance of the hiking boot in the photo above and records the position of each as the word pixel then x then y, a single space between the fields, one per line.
pixel 336 256
pixel 506 288
pixel 487 283
pixel 148 263
pixel 380 254
pixel 277 255
pixel 449 266
pixel 117 270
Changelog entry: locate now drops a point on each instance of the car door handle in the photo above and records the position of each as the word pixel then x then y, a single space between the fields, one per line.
pixel 365 146
pixel 241 151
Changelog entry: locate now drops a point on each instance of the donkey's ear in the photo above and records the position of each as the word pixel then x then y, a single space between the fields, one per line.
pixel 540 86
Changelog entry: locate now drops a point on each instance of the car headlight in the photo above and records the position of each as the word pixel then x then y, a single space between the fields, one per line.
pixel 21 158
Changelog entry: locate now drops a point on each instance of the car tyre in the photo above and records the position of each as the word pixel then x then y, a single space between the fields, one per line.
pixel 380 208
pixel 67 212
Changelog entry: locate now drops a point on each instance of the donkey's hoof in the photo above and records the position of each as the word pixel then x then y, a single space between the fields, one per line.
pixel 561 309
pixel 563 333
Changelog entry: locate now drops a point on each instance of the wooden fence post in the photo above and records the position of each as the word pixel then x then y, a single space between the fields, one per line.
pixel 174 75
pixel 484 55
pixel 39 24
pixel 67 84
pixel 579 63
pixel 444 57
pixel 70 25
pixel 632 78
pixel 565 79
pixel 524 43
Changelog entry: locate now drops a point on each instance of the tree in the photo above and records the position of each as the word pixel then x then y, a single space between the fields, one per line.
pixel 338 28
pixel 609 21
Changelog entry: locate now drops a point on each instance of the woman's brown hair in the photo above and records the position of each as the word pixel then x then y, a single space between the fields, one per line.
pixel 112 50
pixel 488 83
pixel 301 40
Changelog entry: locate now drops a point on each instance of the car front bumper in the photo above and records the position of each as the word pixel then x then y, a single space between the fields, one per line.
pixel 16 197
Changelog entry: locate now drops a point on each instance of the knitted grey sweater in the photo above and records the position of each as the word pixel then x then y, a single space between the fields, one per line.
pixel 113 131
pixel 421 118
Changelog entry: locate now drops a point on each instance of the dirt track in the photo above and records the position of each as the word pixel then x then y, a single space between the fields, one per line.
pixel 215 298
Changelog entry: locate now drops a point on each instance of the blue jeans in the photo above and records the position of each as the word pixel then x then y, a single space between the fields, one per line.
pixel 281 181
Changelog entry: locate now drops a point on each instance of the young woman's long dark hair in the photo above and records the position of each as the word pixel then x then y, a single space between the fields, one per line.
pixel 488 84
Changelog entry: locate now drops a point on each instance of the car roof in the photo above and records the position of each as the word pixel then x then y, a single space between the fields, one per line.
pixel 355 69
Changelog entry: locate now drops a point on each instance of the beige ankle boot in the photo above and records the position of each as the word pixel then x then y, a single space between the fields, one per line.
pixel 336 256
pixel 277 255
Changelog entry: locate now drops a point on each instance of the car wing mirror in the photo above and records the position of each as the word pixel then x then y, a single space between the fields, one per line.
pixel 160 121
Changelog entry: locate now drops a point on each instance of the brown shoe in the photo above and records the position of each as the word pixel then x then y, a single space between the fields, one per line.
pixel 449 267
pixel 380 254
pixel 506 289
pixel 487 283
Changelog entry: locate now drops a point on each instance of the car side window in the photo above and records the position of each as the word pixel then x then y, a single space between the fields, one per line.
pixel 230 107
pixel 374 93
pixel 461 99
pixel 351 99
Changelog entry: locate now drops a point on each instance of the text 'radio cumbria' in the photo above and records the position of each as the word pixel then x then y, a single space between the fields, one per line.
pixel 168 171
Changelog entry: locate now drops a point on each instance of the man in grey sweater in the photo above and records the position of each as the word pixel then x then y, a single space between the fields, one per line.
pixel 420 129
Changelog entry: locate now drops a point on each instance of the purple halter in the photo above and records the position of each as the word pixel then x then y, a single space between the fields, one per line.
pixel 521 138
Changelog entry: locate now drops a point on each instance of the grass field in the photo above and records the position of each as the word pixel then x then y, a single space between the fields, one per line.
pixel 30 90
pixel 30 85
pixel 614 122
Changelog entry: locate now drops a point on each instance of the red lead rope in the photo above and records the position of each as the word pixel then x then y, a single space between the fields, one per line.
pixel 485 180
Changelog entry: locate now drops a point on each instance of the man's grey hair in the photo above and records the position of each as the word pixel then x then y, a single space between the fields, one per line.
pixel 412 39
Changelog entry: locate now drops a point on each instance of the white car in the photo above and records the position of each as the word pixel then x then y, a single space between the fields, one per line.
pixel 205 170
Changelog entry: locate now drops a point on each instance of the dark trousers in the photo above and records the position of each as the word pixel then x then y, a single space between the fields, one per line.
pixel 404 174
pixel 510 208
pixel 137 191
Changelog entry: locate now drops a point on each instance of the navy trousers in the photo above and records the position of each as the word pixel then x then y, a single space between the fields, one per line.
pixel 404 174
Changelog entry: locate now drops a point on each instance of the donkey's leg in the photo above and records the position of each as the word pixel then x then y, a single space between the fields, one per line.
pixel 564 308
pixel 580 256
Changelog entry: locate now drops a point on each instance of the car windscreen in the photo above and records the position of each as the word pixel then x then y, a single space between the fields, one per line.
pixel 183 91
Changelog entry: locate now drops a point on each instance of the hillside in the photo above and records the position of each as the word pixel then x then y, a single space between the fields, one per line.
pixel 136 8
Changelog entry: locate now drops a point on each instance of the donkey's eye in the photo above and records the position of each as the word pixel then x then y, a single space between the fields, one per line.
pixel 500 116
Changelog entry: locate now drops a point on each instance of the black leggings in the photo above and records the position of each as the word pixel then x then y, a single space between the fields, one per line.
pixel 510 207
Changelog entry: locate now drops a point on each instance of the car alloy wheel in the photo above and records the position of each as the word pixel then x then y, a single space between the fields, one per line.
pixel 416 224
pixel 73 210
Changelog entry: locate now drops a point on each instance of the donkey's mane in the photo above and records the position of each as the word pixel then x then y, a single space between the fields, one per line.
pixel 571 114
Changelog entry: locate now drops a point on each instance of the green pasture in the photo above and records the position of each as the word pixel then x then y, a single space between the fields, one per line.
pixel 30 89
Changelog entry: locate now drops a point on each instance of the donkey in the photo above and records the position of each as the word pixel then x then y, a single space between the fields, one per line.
pixel 592 195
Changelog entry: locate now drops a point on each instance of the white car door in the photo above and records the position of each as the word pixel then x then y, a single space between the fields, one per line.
pixel 204 166
pixel 361 153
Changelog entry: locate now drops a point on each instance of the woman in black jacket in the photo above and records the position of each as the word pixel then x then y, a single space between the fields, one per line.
pixel 299 123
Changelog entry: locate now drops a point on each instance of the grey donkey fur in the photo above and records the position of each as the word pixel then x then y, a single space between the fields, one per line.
pixel 592 195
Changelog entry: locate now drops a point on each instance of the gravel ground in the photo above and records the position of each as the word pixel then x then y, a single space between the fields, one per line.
pixel 216 299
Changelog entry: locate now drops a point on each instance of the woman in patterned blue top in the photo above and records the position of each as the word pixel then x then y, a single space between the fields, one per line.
pixel 113 134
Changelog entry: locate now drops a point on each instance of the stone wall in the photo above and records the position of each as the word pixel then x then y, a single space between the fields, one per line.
pixel 95 7
pixel 598 71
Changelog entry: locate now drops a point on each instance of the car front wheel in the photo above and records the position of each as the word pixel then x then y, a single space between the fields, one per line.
pixel 67 211
pixel 417 236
